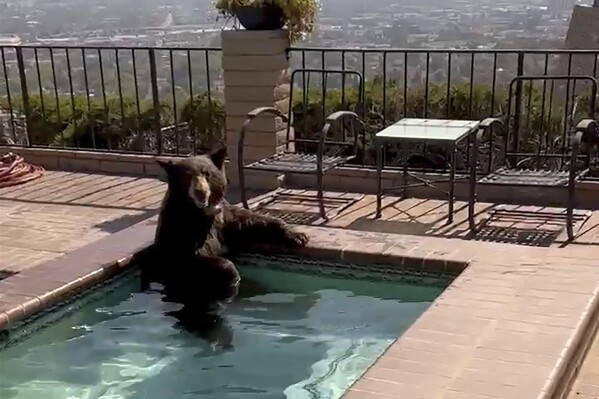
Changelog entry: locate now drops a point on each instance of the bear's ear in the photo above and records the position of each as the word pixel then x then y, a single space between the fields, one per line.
pixel 168 165
pixel 218 157
pixel 164 164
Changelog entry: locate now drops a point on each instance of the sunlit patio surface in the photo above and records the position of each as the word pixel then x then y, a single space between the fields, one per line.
pixel 63 211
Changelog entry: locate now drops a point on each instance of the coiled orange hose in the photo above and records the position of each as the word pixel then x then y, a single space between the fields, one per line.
pixel 14 170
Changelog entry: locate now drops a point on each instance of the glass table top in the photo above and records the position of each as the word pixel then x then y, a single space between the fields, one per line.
pixel 427 130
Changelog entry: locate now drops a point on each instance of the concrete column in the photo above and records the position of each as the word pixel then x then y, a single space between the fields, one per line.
pixel 256 74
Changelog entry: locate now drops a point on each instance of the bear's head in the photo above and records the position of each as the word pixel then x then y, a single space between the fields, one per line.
pixel 198 181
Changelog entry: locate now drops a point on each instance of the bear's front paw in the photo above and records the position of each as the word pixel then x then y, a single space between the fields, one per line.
pixel 296 240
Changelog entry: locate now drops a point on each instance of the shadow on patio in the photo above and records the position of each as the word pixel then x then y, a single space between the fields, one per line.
pixel 512 224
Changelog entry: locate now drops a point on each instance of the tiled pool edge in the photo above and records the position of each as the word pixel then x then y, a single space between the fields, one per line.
pixel 498 259
pixel 30 291
pixel 561 385
pixel 87 266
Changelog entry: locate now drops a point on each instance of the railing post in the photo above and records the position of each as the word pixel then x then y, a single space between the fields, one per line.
pixel 24 93
pixel 156 101
pixel 518 104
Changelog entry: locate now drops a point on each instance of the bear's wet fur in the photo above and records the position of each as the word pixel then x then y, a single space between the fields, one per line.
pixel 197 228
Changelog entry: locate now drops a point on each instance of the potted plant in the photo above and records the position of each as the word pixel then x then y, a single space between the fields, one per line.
pixel 296 15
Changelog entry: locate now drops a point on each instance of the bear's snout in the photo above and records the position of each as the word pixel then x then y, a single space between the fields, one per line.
pixel 200 192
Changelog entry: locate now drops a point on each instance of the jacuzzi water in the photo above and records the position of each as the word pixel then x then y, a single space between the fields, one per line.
pixel 293 332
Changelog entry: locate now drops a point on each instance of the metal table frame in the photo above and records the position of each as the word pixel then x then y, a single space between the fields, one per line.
pixel 424 131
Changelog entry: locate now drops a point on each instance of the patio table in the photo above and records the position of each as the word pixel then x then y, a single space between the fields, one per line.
pixel 423 131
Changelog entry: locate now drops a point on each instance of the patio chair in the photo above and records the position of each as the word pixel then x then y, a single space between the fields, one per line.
pixel 312 155
pixel 557 162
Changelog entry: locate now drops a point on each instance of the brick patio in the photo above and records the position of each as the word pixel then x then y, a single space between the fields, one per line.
pixel 62 211
pixel 427 217
pixel 508 327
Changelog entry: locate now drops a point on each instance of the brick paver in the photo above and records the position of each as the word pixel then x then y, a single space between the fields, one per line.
pixel 62 211
pixel 427 217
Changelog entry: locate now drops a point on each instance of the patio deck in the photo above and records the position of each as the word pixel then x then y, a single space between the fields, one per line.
pixel 519 307
pixel 530 225
pixel 63 211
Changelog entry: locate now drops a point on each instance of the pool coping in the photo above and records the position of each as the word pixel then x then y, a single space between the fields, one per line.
pixel 441 354
pixel 32 290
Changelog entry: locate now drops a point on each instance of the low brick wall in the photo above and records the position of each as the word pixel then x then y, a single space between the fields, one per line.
pixel 89 161
pixel 359 180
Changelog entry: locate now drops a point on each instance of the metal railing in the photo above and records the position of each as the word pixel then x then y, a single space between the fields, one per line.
pixel 170 100
pixel 452 84
pixel 423 69
pixel 157 100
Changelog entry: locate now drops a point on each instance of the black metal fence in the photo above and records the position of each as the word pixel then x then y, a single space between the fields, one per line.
pixel 170 100
pixel 422 70
pixel 451 84
pixel 116 99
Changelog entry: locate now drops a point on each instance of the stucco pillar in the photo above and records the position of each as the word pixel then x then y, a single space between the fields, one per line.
pixel 256 74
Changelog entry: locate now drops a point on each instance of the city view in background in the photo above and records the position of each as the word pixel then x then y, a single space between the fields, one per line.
pixel 351 23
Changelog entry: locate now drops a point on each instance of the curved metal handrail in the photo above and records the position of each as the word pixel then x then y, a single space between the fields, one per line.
pixel 251 116
pixel 331 120
pixel 582 131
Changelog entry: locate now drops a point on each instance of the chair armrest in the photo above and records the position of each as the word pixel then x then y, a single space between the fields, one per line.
pixel 587 124
pixel 335 116
pixel 266 110
pixel 486 126
pixel 332 119
pixel 488 122
pixel 588 130
pixel 251 116
pixel 588 127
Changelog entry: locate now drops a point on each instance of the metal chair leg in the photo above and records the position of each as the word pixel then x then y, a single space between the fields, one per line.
pixel 486 126
pixel 451 185
pixel 240 165
pixel 323 211
pixel 379 183
pixel 244 199
pixel 473 158
pixel 570 208
pixel 576 143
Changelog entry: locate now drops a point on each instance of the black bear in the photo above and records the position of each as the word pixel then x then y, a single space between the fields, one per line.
pixel 197 227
